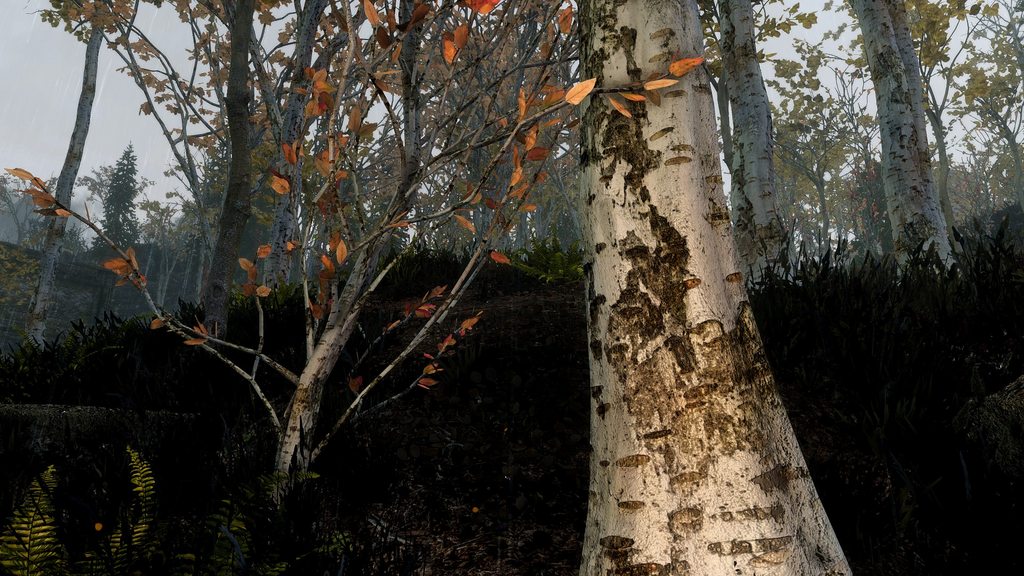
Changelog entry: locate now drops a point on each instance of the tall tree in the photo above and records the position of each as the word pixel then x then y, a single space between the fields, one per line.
pixel 238 198
pixel 694 468
pixel 119 219
pixel 915 211
pixel 760 232
pixel 39 307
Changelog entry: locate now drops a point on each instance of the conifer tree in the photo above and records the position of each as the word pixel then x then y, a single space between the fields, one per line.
pixel 119 219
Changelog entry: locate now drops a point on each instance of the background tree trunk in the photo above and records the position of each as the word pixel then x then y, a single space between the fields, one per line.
pixel 36 325
pixel 695 468
pixel 238 199
pixel 760 233
pixel 914 207
pixel 278 266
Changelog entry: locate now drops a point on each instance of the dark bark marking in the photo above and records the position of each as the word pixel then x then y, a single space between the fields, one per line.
pixel 646 569
pixel 633 461
pixel 631 505
pixel 616 542
pixel 657 434
pixel 685 520
pixel 686 480
pixel 778 478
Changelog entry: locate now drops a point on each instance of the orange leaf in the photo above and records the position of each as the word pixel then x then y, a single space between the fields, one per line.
pixel 461 36
pixel 371 13
pixel 450 51
pixel 156 323
pixel 681 67
pixel 465 223
pixel 289 246
pixel 499 257
pixel 579 91
pixel 538 153
pixel 425 310
pixel 263 251
pixel 245 263
pixel 530 139
pixel 619 106
pixel 355 119
pixel 383 38
pixel 263 291
pixel 20 173
pixel 62 212
pixel 341 253
pixel 354 384
pixel 528 207
pixel 279 185
pixel 633 97
pixel 468 323
pixel 194 341
pixel 426 382
pixel 522 104
pixel 661 83
pixel 328 265
pixel 481 6
pixel 565 20
pixel 316 310
pixel 289 153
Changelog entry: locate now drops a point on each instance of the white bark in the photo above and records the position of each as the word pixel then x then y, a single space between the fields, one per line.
pixel 915 210
pixel 695 469
pixel 760 233
pixel 39 308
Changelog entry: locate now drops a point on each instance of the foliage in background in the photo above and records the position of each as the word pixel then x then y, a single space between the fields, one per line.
pixel 885 359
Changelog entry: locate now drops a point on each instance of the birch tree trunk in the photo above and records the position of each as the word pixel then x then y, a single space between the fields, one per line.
pixel 760 233
pixel 54 243
pixel 695 469
pixel 238 199
pixel 279 262
pixel 915 210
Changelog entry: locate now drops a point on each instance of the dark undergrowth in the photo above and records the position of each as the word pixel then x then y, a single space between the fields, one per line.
pixel 486 473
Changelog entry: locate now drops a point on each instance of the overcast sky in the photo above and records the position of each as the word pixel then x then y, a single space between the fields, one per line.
pixel 41 76
pixel 40 80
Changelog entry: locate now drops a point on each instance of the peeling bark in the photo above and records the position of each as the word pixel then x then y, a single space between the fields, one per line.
pixel 54 243
pixel 915 210
pixel 695 469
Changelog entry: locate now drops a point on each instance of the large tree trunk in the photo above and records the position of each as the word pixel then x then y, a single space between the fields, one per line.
pixel 695 469
pixel 54 242
pixel 915 211
pixel 238 199
pixel 760 233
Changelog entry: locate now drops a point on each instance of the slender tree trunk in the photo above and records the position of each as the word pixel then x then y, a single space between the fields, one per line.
pixel 238 199
pixel 295 448
pixel 278 265
pixel 942 174
pixel 760 233
pixel 695 469
pixel 915 211
pixel 54 243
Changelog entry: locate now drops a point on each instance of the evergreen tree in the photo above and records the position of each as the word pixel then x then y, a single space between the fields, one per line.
pixel 119 219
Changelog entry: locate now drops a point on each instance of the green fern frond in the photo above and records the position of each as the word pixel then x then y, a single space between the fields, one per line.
pixel 29 545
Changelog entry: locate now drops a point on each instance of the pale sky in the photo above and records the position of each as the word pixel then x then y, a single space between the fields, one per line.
pixel 40 80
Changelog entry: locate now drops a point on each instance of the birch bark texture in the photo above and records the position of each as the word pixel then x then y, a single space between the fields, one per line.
pixel 54 243
pixel 915 210
pixel 759 231
pixel 694 468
